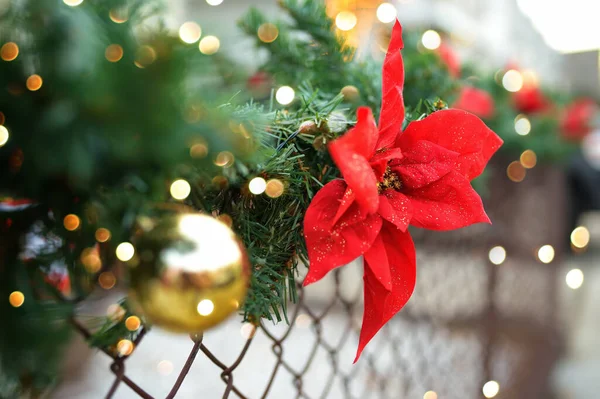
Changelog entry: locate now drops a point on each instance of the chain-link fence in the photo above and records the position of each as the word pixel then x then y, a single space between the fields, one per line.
pixel 470 321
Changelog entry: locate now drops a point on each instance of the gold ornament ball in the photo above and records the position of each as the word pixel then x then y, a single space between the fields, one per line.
pixel 191 272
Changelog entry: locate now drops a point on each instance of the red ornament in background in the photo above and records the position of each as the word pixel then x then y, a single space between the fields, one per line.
pixel 530 100
pixel 260 84
pixel 577 119
pixel 450 59
pixel 475 101
pixel 392 179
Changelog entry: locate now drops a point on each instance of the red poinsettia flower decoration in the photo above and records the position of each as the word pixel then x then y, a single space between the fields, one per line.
pixel 476 101
pixel 577 119
pixel 392 179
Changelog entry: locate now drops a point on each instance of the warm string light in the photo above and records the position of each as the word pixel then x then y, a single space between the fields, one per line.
pixel 71 222
pixel 125 251
pixel 430 395
pixel 522 125
pixel 107 280
pixel 574 279
pixel 386 13
pixel 580 237
pixel 114 53
pixel 546 253
pixel 528 159
pixel 16 299
pixel 190 32
pixel 285 95
pixel 133 323
pixel 72 3
pixel 34 82
pixel 491 389
pixel 214 2
pixel 180 189
pixel 224 159
pixel 9 51
pixel 102 234
pixel 199 150
pixel 90 259
pixel 4 135
pixel 257 186
pixel 145 56
pixel 512 80
pixel 209 45
pixel 516 172
pixel 248 330
pixel 274 188
pixel 267 32
pixel 205 307
pixel 497 255
pixel 118 16
pixel 346 20
pixel 125 347
pixel 431 40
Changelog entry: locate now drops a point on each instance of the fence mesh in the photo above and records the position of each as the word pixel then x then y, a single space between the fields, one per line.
pixel 468 322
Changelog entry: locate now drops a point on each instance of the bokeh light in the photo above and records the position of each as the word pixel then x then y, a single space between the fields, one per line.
pixel 516 172
pixel 386 13
pixel 71 222
pixel 34 82
pixel 214 2
pixel 125 347
pixel 133 323
pixel 114 53
pixel 90 258
pixel 180 189
pixel 72 3
pixel 275 188
pixel 497 255
pixel 491 389
pixel 574 279
pixel 199 150
pixel 431 40
pixel 145 56
pixel 528 159
pixel 285 95
pixel 430 395
pixel 4 135
pixel 268 32
pixel 546 253
pixel 512 80
pixel 115 312
pixel 257 186
pixel 107 280
pixel 9 51
pixel 102 234
pixel 118 15
pixel 125 251
pixel 205 307
pixel 247 331
pixel 346 20
pixel 350 93
pixel 164 367
pixel 209 45
pixel 580 237
pixel 190 32
pixel 224 159
pixel 522 125
pixel 16 299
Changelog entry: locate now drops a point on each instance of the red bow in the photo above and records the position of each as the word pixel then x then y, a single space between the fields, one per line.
pixel 385 189
pixel 476 101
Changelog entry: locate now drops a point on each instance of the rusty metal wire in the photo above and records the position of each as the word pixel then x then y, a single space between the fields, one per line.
pixel 469 321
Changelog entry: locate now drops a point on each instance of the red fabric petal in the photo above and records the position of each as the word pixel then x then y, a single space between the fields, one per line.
pixel 376 259
pixel 381 305
pixel 391 117
pixel 476 101
pixel 458 131
pixel 330 247
pixel 350 154
pixel 447 204
pixel 380 160
pixel 424 163
pixel 345 203
pixel 396 208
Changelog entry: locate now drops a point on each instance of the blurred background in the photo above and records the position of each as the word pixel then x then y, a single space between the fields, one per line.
pixel 504 312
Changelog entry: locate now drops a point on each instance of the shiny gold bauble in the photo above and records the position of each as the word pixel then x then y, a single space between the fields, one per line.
pixel 190 272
